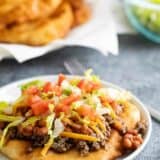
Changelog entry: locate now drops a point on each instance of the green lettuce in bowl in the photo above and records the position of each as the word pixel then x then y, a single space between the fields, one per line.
pixel 148 15
pixel 144 16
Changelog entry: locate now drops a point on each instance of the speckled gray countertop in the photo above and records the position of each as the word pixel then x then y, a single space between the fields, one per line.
pixel 137 68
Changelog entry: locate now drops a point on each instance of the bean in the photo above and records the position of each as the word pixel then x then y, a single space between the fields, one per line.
pixel 127 143
pixel 40 131
pixel 27 131
pixel 136 144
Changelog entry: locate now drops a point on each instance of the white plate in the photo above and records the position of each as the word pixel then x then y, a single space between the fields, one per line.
pixel 11 92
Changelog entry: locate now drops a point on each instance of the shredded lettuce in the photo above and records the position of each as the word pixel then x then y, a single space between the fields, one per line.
pixel 103 110
pixel 49 121
pixel 112 113
pixel 12 124
pixel 30 121
pixel 77 104
pixel 20 102
pixel 101 92
pixel 88 74
pixel 74 81
pixel 6 118
pixel 94 101
pixel 3 105
pixel 67 92
pixel 37 83
pixel 58 129
pixel 118 95
pixel 68 88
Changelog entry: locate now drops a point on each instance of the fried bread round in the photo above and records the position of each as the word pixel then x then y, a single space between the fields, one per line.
pixel 43 31
pixel 28 10
pixel 16 150
pixel 82 11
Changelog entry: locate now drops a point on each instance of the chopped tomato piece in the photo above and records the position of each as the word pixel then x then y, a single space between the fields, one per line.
pixel 64 105
pixel 50 87
pixel 70 99
pixel 33 99
pixel 82 84
pixel 40 107
pixel 64 109
pixel 61 78
pixel 88 86
pixel 87 111
pixel 57 90
pixel 32 90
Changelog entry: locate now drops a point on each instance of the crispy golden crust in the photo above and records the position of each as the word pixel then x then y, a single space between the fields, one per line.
pixel 5 5
pixel 16 150
pixel 28 10
pixel 40 32
pixel 82 11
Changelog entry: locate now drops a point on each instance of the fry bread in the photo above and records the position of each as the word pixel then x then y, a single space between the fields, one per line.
pixel 43 31
pixel 16 150
pixel 82 11
pixel 28 10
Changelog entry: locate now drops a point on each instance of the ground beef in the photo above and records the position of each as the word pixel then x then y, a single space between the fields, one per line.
pixel 13 133
pixel 39 141
pixel 102 143
pixel 2 125
pixel 108 119
pixel 108 130
pixel 94 146
pixel 61 145
pixel 38 136
pixel 83 148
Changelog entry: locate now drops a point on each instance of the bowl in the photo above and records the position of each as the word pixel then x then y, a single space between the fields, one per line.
pixel 144 16
pixel 11 91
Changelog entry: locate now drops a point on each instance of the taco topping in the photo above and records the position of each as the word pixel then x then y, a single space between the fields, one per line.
pixel 70 113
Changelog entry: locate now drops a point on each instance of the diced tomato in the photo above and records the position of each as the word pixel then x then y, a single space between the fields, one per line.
pixel 32 90
pixel 61 78
pixel 88 86
pixel 33 99
pixel 50 87
pixel 87 111
pixel 60 108
pixel 82 84
pixel 70 99
pixel 57 90
pixel 40 107
pixel 64 105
